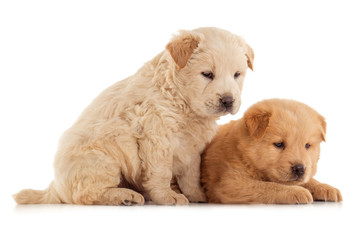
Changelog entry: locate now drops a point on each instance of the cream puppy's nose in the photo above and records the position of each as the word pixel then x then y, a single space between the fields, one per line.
pixel 227 101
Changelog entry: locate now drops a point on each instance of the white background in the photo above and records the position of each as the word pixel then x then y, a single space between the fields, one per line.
pixel 56 56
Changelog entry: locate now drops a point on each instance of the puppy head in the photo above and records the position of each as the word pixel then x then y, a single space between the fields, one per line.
pixel 209 69
pixel 284 139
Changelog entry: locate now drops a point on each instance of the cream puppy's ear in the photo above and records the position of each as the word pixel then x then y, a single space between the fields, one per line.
pixel 182 46
pixel 323 128
pixel 250 56
pixel 256 122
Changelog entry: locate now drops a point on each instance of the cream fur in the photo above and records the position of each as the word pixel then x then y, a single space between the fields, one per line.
pixel 151 127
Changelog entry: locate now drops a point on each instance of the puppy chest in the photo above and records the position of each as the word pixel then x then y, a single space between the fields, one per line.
pixel 186 144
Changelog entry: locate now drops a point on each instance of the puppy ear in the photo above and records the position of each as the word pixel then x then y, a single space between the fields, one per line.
pixel 323 128
pixel 256 122
pixel 181 47
pixel 250 56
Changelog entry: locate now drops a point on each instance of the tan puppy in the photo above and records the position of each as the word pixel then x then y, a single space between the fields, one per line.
pixel 143 131
pixel 268 156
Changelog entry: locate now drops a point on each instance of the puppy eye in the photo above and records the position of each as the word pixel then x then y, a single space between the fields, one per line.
pixel 208 75
pixel 307 145
pixel 237 74
pixel 279 145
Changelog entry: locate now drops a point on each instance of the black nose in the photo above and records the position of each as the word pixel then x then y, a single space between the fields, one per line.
pixel 227 101
pixel 298 170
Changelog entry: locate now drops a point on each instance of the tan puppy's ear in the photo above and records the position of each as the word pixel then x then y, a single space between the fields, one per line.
pixel 250 56
pixel 256 122
pixel 181 47
pixel 323 128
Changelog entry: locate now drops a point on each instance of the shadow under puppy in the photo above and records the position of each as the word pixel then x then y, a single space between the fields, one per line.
pixel 268 156
pixel 144 130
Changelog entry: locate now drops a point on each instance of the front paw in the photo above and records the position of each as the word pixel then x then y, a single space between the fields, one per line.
pixel 169 198
pixel 197 196
pixel 300 195
pixel 294 195
pixel 325 192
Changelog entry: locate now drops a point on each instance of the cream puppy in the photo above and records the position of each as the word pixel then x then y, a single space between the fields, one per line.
pixel 151 127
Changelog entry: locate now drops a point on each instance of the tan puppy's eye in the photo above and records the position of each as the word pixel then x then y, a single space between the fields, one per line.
pixel 208 75
pixel 280 145
pixel 237 74
pixel 307 145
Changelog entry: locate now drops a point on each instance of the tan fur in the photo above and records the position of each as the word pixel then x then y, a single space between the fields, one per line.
pixel 151 127
pixel 242 164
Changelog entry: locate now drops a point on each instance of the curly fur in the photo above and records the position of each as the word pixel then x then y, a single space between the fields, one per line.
pixel 151 127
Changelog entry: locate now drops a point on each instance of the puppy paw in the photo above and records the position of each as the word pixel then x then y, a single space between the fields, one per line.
pixel 169 198
pixel 133 199
pixel 296 195
pixel 325 192
pixel 120 196
pixel 197 196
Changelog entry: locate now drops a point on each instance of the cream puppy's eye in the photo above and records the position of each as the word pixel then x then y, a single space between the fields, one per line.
pixel 307 145
pixel 280 145
pixel 237 74
pixel 208 75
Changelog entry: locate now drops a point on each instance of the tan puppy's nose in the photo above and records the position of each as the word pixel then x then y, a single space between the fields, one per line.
pixel 298 170
pixel 227 101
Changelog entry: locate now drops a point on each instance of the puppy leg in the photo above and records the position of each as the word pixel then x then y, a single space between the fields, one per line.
pixel 93 179
pixel 235 189
pixel 157 173
pixel 323 192
pixel 189 181
pixel 158 187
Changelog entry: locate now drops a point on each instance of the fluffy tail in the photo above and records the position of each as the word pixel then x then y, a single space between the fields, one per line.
pixel 29 196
